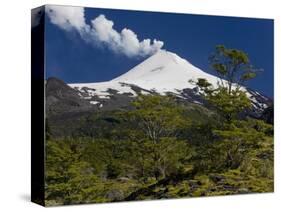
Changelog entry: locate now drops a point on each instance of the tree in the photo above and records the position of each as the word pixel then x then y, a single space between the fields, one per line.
pixel 158 116
pixel 160 120
pixel 69 179
pixel 233 67
pixel 232 139
pixel 235 142
pixel 234 70
pixel 228 105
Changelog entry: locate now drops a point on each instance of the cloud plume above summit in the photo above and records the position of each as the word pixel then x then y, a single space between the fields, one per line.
pixel 101 31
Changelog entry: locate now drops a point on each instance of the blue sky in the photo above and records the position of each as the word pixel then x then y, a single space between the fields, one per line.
pixel 193 37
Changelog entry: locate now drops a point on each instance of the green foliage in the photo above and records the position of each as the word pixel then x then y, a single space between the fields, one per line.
pixel 166 148
pixel 69 180
pixel 161 120
pixel 232 65
pixel 232 158
pixel 234 69
pixel 229 105
pixel 234 142
pixel 158 116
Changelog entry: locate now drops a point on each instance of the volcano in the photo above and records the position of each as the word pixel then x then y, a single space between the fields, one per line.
pixel 162 73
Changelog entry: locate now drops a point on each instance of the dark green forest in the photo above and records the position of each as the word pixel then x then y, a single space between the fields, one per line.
pixel 165 147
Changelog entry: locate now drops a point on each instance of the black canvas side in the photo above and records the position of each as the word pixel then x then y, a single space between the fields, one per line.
pixel 37 106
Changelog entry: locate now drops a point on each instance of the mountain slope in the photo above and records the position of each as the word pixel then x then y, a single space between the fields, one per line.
pixel 162 73
pixel 60 97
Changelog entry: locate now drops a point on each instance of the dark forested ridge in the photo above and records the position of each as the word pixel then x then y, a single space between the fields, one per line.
pixel 156 147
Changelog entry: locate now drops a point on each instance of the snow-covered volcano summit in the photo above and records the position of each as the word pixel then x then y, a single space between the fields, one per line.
pixel 162 72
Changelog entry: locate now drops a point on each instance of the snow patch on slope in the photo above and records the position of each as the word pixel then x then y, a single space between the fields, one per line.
pixel 102 89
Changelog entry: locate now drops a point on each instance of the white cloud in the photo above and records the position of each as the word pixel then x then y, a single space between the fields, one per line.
pixel 101 31
pixel 130 42
pixel 67 18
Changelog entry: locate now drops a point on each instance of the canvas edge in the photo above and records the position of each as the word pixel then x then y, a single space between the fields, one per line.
pixel 38 105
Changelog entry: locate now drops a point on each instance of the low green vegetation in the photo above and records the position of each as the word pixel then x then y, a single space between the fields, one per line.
pixel 164 148
pixel 158 151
